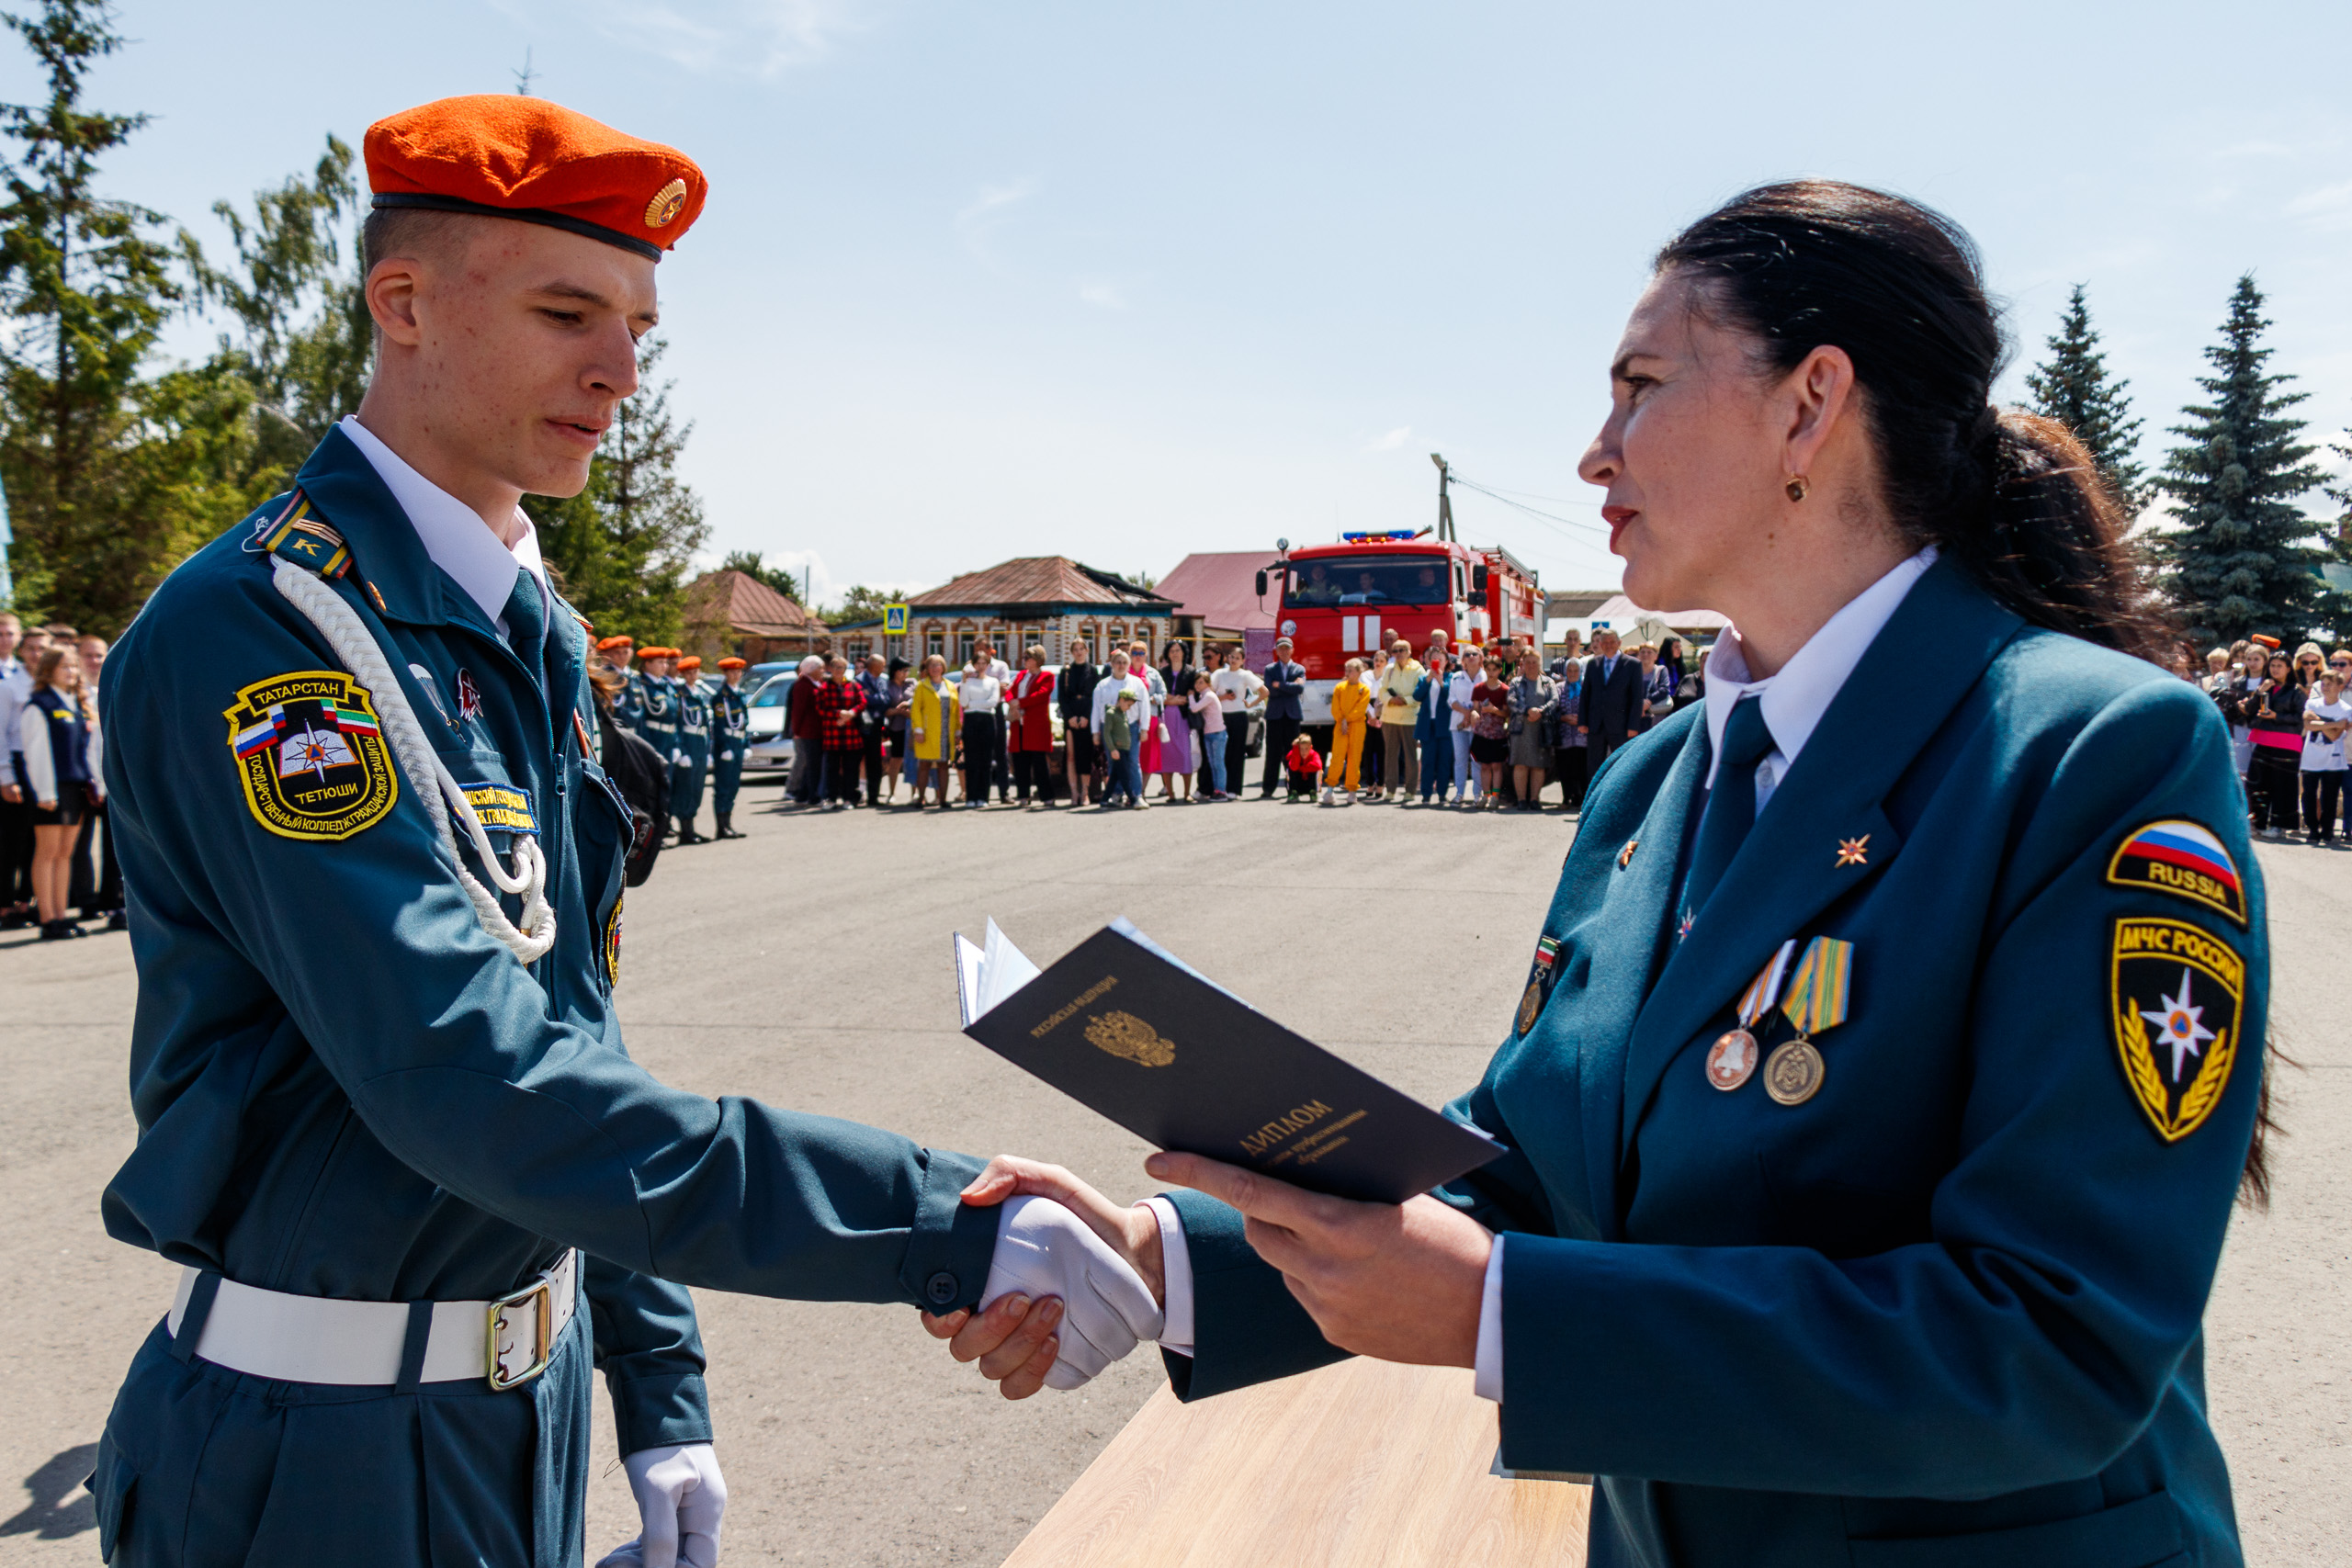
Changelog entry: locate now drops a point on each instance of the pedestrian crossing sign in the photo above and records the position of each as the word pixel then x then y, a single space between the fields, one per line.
pixel 894 620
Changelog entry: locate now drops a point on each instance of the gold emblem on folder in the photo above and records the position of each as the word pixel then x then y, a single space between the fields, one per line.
pixel 1125 1034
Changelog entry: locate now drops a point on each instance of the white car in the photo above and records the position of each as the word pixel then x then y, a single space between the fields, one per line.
pixel 771 741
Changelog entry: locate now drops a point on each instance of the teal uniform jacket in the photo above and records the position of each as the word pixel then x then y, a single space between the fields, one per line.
pixel 630 706
pixel 658 720
pixel 1946 1311
pixel 694 744
pixel 344 1088
pixel 730 732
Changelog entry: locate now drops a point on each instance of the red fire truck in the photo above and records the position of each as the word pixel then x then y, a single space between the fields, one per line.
pixel 1339 601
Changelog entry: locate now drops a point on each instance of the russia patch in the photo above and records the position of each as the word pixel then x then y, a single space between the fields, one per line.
pixel 2180 857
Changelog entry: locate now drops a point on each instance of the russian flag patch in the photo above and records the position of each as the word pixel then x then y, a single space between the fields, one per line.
pixel 2183 858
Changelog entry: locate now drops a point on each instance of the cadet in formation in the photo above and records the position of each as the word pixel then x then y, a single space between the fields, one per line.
pixel 731 734
pixel 1893 1048
pixel 629 706
pixel 658 719
pixel 693 765
pixel 386 1122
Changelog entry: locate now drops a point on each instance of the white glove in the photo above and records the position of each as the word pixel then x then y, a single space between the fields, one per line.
pixel 1043 1249
pixel 680 1498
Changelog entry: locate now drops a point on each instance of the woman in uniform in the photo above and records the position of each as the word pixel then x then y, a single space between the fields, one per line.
pixel 57 743
pixel 1893 1051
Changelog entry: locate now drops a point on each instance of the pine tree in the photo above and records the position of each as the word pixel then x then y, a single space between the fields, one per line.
pixel 88 289
pixel 2073 388
pixel 623 544
pixel 2240 559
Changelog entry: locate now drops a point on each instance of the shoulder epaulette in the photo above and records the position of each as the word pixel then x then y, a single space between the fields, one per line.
pixel 295 535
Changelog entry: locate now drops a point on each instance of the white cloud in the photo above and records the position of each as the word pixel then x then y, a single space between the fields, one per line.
pixel 757 37
pixel 1390 442
pixel 2328 207
pixel 989 212
pixel 1103 294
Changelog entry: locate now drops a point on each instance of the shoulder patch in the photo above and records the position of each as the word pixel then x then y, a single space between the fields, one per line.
pixel 295 536
pixel 2178 994
pixel 613 945
pixel 2180 857
pixel 310 755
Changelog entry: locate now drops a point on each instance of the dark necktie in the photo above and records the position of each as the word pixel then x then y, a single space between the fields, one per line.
pixel 526 625
pixel 1731 804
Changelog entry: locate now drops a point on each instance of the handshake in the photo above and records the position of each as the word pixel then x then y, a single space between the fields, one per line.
pixel 1076 1281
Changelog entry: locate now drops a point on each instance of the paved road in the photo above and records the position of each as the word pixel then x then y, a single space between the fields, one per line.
pixel 808 966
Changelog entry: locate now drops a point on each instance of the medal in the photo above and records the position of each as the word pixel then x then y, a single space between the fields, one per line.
pixel 1731 1061
pixel 1818 994
pixel 1539 983
pixel 1793 1074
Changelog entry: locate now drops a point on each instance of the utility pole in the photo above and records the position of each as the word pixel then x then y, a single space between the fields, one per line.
pixel 1445 502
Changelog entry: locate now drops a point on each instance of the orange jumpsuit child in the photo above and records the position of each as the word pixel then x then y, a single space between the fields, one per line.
pixel 1351 705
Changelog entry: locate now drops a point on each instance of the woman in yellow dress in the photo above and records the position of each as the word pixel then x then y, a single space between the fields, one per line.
pixel 931 728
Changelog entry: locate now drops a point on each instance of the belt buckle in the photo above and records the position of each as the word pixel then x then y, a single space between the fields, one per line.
pixel 540 1292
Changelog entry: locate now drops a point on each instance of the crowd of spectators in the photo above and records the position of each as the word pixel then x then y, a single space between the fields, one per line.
pixel 2287 715
pixel 1485 728
pixel 57 858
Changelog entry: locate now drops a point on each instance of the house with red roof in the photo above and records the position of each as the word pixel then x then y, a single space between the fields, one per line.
pixel 1049 602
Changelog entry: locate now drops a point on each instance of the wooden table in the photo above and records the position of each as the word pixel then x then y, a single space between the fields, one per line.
pixel 1363 1463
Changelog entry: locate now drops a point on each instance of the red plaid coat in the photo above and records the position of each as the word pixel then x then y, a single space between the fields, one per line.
pixel 838 704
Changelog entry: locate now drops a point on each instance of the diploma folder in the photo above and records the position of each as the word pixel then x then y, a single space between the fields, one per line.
pixel 1128 1029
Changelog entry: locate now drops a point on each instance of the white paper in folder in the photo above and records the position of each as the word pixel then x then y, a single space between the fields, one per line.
pixel 986 975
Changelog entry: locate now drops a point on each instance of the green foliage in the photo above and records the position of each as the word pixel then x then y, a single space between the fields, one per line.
pixel 753 565
pixel 304 338
pixel 2073 388
pixel 85 289
pixel 2241 560
pixel 860 603
pixel 623 544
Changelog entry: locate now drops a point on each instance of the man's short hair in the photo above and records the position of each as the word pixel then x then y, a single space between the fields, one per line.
pixel 59 629
pixel 406 232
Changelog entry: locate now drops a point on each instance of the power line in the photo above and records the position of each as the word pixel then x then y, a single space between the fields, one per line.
pixel 1533 512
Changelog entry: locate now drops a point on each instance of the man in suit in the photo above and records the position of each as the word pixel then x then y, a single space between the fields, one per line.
pixel 1285 684
pixel 1613 700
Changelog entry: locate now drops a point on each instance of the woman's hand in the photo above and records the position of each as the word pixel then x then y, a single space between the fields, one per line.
pixel 1402 1282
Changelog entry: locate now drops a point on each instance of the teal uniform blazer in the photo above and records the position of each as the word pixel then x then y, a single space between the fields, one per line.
pixel 1946 1311
pixel 344 1088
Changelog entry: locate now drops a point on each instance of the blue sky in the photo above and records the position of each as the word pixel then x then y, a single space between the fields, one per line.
pixel 1125 282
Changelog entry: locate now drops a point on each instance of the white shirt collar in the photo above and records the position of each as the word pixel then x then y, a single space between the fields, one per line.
pixel 453 534
pixel 1795 699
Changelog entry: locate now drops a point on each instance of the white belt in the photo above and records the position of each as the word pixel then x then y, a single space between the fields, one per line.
pixel 317 1339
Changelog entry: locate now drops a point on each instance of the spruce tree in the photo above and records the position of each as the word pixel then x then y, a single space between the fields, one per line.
pixel 2240 559
pixel 2073 388
pixel 622 545
pixel 85 286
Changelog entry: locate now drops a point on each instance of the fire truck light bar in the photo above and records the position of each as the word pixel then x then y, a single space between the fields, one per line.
pixel 1390 533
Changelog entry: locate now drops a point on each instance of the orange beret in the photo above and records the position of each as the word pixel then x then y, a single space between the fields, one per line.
pixel 2271 643
pixel 730 663
pixel 657 652
pixel 691 661
pixel 508 155
pixel 607 644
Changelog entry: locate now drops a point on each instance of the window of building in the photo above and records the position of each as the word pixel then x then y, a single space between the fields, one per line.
pixel 935 640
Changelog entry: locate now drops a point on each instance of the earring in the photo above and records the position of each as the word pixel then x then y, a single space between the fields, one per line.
pixel 1796 488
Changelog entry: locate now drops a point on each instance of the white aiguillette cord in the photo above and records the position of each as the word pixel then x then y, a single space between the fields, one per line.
pixel 353 643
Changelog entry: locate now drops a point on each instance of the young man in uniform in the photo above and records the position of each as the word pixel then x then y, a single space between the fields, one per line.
pixel 616 652
pixel 16 811
pixel 387 1123
pixel 658 719
pixel 730 732
pixel 694 749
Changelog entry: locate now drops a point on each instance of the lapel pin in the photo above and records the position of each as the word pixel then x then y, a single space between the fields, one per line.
pixel 1854 851
pixel 1626 855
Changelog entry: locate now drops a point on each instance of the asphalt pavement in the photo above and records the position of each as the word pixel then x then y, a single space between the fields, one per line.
pixel 808 966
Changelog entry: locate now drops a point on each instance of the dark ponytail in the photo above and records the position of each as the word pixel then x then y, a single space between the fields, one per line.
pixel 2012 499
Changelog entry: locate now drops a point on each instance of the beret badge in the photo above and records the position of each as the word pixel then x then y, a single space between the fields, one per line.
pixel 666 204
